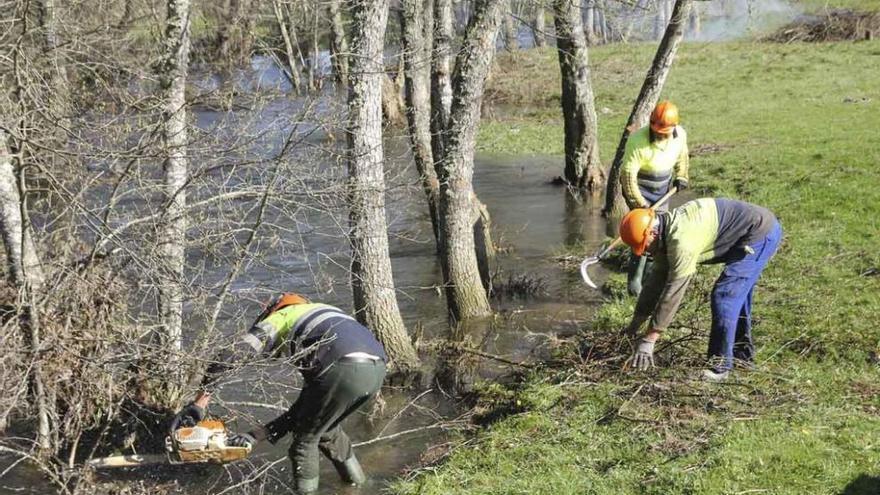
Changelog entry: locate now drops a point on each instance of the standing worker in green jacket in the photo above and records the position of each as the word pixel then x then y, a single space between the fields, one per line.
pixel 656 158
pixel 342 364
pixel 743 236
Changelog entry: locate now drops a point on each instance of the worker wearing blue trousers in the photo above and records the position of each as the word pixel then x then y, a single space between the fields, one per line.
pixel 743 236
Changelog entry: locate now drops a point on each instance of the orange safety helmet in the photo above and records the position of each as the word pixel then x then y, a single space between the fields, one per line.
pixel 664 118
pixel 634 229
pixel 280 302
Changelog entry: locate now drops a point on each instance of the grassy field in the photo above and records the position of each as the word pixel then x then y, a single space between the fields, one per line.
pixel 795 128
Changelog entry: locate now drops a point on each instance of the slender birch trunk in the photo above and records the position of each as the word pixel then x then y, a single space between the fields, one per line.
pixel 415 17
pixel 647 99
pixel 173 75
pixel 465 294
pixel 372 283
pixel 582 165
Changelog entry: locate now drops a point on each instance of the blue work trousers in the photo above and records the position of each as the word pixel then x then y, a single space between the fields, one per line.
pixel 731 335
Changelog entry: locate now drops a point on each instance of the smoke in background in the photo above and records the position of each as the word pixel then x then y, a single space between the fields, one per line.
pixel 723 20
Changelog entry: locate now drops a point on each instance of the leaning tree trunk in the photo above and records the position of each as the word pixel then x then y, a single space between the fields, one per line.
pixel 338 44
pixel 375 301
pixel 415 18
pixel 582 166
pixel 441 82
pixel 648 96
pixel 465 295
pixel 173 74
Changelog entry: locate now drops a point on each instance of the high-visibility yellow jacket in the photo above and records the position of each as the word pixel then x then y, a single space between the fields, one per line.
pixel 648 168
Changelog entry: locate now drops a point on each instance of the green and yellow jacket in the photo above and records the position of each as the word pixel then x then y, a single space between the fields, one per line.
pixel 649 168
pixel 702 231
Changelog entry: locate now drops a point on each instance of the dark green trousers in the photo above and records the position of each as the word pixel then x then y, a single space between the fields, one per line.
pixel 324 403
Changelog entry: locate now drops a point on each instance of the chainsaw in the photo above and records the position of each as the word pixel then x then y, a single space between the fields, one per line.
pixel 204 442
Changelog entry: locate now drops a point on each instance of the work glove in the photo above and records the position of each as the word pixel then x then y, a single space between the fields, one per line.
pixel 643 358
pixel 241 440
pixel 188 417
pixel 680 183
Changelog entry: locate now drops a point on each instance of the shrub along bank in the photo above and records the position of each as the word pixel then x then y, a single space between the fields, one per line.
pixel 793 127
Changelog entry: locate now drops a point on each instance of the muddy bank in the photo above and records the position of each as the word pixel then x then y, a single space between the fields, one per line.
pixel 833 25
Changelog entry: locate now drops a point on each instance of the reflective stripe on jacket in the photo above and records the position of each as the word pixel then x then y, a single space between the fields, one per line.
pixel 316 334
pixel 649 168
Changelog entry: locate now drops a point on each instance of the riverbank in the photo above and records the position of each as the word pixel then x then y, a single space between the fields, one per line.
pixel 789 126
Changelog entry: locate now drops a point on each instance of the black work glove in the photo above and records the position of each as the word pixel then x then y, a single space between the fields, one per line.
pixel 187 417
pixel 680 183
pixel 241 440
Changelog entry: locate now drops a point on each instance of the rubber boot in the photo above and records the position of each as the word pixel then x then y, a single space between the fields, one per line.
pixel 634 274
pixel 306 486
pixel 350 471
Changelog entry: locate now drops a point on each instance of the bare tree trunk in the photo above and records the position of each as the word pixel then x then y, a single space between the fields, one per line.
pixel 636 16
pixel 415 16
pixel 315 78
pixel 338 43
pixel 441 82
pixel 391 107
pixel 236 39
pixel 601 22
pixel 539 27
pixel 173 74
pixel 694 25
pixel 375 301
pixel 465 295
pixel 314 83
pixel 59 89
pixel 582 165
pixel 511 25
pixel 22 258
pixel 292 71
pixel 590 22
pixel 23 264
pixel 646 101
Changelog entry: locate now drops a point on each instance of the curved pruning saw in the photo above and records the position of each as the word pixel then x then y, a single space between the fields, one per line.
pixel 592 260
pixel 204 442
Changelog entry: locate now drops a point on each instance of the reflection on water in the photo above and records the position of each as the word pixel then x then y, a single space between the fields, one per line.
pixel 532 219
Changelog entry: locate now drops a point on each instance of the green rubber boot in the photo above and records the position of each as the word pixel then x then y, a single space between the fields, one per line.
pixel 634 273
pixel 350 471
pixel 306 486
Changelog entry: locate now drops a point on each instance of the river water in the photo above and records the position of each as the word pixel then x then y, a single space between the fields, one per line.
pixel 532 221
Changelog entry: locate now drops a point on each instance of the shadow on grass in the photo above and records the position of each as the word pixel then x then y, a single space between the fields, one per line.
pixel 863 485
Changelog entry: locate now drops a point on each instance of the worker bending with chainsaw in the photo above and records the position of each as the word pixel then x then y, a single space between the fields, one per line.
pixel 343 366
pixel 656 158
pixel 743 236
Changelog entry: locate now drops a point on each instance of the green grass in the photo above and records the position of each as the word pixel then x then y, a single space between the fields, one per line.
pixel 820 5
pixel 795 128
